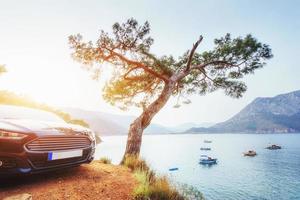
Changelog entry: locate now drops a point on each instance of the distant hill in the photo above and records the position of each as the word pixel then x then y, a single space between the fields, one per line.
pixel 279 114
pixel 112 124
pixel 183 127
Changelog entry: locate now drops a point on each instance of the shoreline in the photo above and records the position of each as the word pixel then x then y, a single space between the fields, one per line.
pixel 196 133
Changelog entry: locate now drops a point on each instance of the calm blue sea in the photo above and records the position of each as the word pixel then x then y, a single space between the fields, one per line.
pixel 270 175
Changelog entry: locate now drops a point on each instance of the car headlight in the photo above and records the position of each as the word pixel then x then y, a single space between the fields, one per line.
pixel 11 135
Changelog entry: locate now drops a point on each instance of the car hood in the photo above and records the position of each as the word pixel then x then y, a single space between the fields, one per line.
pixel 40 128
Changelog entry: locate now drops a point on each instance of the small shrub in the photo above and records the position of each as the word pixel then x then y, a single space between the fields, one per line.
pixel 163 190
pixel 136 164
pixel 143 189
pixel 154 189
pixel 105 160
pixel 189 192
pixel 98 139
pixel 150 186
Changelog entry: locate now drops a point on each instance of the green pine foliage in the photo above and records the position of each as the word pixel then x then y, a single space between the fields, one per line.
pixel 140 75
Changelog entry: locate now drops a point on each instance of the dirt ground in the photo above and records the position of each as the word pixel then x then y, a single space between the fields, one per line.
pixel 91 181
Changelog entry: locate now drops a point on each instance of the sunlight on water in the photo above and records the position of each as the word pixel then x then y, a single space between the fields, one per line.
pixel 269 175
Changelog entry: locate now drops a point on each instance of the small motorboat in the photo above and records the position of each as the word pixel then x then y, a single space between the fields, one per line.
pixel 250 153
pixel 173 169
pixel 205 148
pixel 206 160
pixel 207 141
pixel 274 147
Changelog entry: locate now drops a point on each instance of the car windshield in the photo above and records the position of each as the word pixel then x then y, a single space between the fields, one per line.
pixel 17 112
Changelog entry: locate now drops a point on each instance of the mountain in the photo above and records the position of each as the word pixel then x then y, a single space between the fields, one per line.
pixel 99 122
pixel 111 124
pixel 185 126
pixel 279 114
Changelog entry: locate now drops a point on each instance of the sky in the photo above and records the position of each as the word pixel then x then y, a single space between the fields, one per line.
pixel 34 47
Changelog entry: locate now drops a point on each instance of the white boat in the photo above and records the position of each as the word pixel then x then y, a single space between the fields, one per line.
pixel 250 153
pixel 207 160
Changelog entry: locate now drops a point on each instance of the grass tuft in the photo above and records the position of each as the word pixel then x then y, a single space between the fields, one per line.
pixel 153 187
pixel 136 164
pixel 105 160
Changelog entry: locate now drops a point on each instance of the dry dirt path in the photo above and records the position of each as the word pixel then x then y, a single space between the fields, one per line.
pixel 87 182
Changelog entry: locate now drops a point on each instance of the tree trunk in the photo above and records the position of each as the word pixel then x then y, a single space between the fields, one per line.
pixel 136 129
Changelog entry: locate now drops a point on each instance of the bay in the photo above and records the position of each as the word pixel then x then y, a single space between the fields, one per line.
pixel 272 174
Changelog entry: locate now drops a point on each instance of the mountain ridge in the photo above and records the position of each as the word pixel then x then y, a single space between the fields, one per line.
pixel 278 114
pixel 113 124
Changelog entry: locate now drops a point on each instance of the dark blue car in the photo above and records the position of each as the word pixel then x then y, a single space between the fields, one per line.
pixel 33 141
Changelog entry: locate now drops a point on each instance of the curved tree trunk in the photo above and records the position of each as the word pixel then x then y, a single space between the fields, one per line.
pixel 136 129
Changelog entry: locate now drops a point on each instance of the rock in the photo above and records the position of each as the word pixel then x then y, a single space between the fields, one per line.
pixel 23 196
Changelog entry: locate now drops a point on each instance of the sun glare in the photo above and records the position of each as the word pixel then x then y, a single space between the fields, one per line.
pixel 46 83
pixel 54 82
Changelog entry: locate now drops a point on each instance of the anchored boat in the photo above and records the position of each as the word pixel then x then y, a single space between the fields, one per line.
pixel 173 169
pixel 205 148
pixel 206 160
pixel 250 153
pixel 274 147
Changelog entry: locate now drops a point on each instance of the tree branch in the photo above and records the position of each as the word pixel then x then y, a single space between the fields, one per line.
pixel 193 52
pixel 217 62
pixel 201 67
pixel 139 65
pixel 206 76
pixel 130 70
pixel 154 59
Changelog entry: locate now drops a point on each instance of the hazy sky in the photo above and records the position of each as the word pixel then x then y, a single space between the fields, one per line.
pixel 34 48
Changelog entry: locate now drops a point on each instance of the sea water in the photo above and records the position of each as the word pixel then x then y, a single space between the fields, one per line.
pixel 272 174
